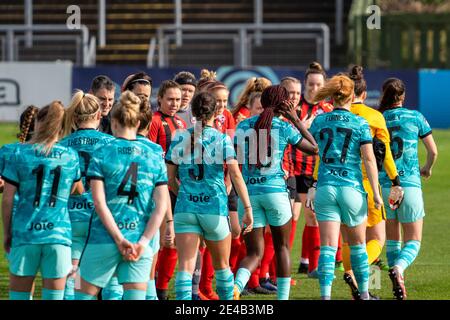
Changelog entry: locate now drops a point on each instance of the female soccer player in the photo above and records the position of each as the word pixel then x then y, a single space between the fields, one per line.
pixel 197 156
pixel 129 186
pixel 406 128
pixel 103 88
pixel 241 110
pixel 38 235
pixel 342 138
pixel 304 164
pixel 268 135
pixel 83 115
pixel 188 85
pixel 376 230
pixel 165 123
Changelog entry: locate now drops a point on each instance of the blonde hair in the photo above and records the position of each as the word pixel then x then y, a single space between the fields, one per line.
pixel 339 88
pixel 127 110
pixel 252 85
pixel 51 123
pixel 207 77
pixel 83 107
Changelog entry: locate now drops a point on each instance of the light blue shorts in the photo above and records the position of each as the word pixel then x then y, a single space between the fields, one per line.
pixel 80 230
pixel 211 226
pixel 411 209
pixel 154 243
pixel 270 208
pixel 53 260
pixel 341 204
pixel 101 261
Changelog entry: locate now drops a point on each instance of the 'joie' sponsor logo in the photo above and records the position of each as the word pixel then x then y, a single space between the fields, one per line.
pixel 43 225
pixel 202 198
pixel 127 225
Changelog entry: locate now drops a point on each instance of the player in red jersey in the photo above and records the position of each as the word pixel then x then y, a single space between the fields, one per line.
pixel 164 124
pixel 307 110
pixel 241 110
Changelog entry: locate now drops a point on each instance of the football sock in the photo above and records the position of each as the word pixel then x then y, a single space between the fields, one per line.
pixel 393 249
pixel 48 294
pixel 133 295
pixel 358 256
pixel 183 285
pixel 151 291
pixel 374 249
pixel 407 255
pixel 284 287
pixel 326 270
pixel 225 284
pixel 242 276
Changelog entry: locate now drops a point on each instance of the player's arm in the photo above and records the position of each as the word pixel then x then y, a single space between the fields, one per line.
pixel 311 195
pixel 172 171
pixel 432 154
pixel 7 205
pixel 241 189
pixel 370 164
pixel 77 188
pixel 382 134
pixel 161 199
pixel 2 185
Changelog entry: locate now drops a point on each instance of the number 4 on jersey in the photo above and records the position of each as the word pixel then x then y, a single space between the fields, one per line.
pixel 132 193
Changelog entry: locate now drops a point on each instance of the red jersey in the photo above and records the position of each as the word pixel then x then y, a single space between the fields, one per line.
pixel 225 123
pixel 241 114
pixel 288 158
pixel 163 127
pixel 303 163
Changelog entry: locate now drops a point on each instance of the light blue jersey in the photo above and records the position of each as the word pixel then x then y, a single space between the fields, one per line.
pixel 6 152
pixel 85 142
pixel 202 188
pixel 405 127
pixel 130 171
pixel 270 177
pixel 44 184
pixel 340 135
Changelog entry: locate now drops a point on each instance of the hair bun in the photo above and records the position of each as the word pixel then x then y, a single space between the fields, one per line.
pixel 128 98
pixel 356 73
pixel 207 74
pixel 316 66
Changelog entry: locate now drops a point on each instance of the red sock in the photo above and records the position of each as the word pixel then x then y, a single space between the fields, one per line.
pixel 305 242
pixel 339 250
pixel 292 235
pixel 314 248
pixel 269 254
pixel 253 282
pixel 167 261
pixel 273 269
pixel 234 254
pixel 207 276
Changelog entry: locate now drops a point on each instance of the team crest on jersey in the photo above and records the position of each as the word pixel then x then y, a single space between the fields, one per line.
pixel 179 123
pixel 193 120
pixel 319 111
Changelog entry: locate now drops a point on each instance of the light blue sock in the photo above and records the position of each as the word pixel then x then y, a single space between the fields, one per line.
pixel 283 288
pixel 84 296
pixel 113 290
pixel 151 291
pixel 48 294
pixel 69 292
pixel 225 284
pixel 242 276
pixel 393 249
pixel 134 295
pixel 18 295
pixel 183 285
pixel 408 254
pixel 326 270
pixel 360 267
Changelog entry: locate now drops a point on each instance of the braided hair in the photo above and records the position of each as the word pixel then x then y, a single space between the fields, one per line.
pixel 27 123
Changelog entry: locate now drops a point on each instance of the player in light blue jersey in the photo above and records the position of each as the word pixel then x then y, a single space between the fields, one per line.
pixel 261 142
pixel 83 115
pixel 129 188
pixel 406 127
pixel 198 156
pixel 38 236
pixel 343 138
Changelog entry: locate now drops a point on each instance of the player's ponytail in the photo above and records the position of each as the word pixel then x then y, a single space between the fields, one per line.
pixel 356 74
pixel 50 123
pixel 145 115
pixel 340 88
pixel 272 100
pixel 83 107
pixel 27 123
pixel 126 111
pixel 204 108
pixel 393 92
pixel 252 85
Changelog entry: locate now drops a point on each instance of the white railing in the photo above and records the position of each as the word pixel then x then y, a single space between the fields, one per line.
pixel 241 34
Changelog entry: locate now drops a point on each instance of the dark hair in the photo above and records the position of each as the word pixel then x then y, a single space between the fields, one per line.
pixel 393 90
pixel 166 85
pixel 272 99
pixel 140 77
pixel 315 68
pixel 100 82
pixel 27 123
pixel 185 77
pixel 204 106
pixel 356 74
